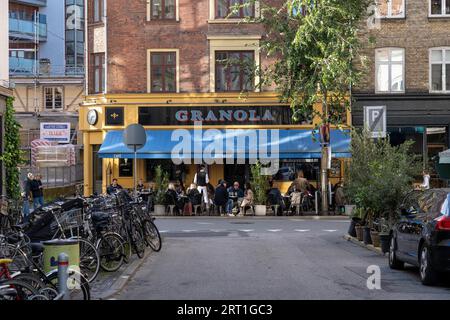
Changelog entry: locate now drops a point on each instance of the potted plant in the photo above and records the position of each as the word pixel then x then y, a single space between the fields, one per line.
pixel 260 185
pixel 385 235
pixel 161 184
pixel 367 227
pixel 375 234
pixel 355 221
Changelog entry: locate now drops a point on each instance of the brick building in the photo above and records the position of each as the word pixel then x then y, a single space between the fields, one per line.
pixel 164 68
pixel 408 72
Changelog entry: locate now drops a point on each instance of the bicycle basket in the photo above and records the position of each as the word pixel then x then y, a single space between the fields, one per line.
pixel 71 219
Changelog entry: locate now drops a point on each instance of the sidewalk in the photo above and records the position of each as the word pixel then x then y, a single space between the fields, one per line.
pixel 107 284
pixel 361 244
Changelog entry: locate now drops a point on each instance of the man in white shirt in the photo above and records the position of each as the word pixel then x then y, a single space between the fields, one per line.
pixel 426 180
pixel 201 179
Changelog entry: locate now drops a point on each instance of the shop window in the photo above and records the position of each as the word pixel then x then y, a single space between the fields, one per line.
pixel 234 71
pixel 163 69
pixel 125 168
pixel 53 98
pixel 290 167
pixel 390 70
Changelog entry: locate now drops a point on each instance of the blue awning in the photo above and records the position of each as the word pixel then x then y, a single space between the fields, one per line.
pixel 242 143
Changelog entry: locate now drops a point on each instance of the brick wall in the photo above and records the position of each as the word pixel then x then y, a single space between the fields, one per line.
pixel 416 34
pixel 130 35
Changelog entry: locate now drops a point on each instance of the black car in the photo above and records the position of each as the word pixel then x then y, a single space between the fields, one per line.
pixel 421 237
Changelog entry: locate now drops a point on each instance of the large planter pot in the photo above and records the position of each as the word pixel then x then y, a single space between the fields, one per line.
pixel 352 227
pixel 375 236
pixel 160 210
pixel 366 236
pixel 359 232
pixel 260 210
pixel 385 240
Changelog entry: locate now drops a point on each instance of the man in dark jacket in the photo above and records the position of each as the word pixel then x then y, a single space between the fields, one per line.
pixel 274 196
pixel 221 195
pixel 113 187
pixel 37 191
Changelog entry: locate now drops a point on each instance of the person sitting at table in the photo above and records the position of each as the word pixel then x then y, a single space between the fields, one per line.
pixel 300 184
pixel 221 196
pixel 274 196
pixel 234 192
pixel 140 186
pixel 192 193
pixel 113 187
pixel 248 198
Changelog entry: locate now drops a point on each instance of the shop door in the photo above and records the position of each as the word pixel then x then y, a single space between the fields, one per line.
pixel 97 174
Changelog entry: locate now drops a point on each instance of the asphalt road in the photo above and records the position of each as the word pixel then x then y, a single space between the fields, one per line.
pixel 278 258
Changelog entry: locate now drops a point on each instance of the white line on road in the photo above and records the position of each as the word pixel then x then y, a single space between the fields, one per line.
pixel 274 230
pixel 302 230
pixel 217 230
pixel 205 223
pixel 247 230
pixel 329 230
pixel 189 230
pixel 163 231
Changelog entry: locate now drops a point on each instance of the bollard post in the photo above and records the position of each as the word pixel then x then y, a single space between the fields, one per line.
pixel 316 198
pixel 63 266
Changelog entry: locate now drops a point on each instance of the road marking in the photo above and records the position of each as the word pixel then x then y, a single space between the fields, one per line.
pixel 217 230
pixel 205 223
pixel 301 220
pixel 274 230
pixel 302 230
pixel 329 230
pixel 247 230
pixel 189 230
pixel 163 231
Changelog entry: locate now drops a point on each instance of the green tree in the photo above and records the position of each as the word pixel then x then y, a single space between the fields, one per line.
pixel 313 44
pixel 11 157
pixel 259 184
pixel 162 183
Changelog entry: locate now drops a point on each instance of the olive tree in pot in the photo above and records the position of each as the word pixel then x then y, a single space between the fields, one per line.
pixel 161 184
pixel 378 176
pixel 260 186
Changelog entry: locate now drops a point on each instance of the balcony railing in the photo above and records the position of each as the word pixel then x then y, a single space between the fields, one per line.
pixel 25 29
pixel 25 67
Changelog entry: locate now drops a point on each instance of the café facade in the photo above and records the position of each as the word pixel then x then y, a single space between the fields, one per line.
pixel 225 131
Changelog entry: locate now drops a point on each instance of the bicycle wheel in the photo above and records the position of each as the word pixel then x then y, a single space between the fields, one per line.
pixel 126 243
pixel 111 251
pixel 152 236
pixel 89 260
pixel 77 284
pixel 137 239
pixel 45 289
pixel 24 290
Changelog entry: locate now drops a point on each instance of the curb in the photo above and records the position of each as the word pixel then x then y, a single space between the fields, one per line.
pixel 124 277
pixel 256 217
pixel 361 244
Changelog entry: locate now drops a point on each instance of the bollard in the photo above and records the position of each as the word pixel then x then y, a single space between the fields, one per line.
pixel 316 198
pixel 63 266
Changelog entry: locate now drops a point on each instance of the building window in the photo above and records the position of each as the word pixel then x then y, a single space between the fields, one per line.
pixel 225 9
pixel 97 11
pixel 98 73
pixel 390 70
pixel 234 71
pixel 391 8
pixel 53 98
pixel 440 70
pixel 439 7
pixel 163 68
pixel 163 9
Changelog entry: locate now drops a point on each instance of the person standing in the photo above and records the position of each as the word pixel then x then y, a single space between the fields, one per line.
pixel 37 191
pixel 426 180
pixel 201 179
pixel 26 196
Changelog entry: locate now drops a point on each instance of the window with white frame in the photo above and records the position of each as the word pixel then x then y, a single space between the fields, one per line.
pixel 53 97
pixel 390 70
pixel 391 8
pixel 440 70
pixel 439 8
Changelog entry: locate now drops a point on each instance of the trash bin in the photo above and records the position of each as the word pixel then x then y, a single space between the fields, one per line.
pixel 53 248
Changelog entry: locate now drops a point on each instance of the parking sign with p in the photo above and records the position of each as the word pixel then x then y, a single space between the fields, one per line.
pixel 375 121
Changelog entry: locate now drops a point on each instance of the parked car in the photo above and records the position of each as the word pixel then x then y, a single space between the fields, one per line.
pixel 421 237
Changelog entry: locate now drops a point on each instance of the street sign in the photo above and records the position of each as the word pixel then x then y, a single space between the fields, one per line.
pixel 135 136
pixel 375 121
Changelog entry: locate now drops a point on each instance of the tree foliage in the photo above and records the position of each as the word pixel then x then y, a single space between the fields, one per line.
pixel 379 174
pixel 314 44
pixel 161 184
pixel 11 157
pixel 259 183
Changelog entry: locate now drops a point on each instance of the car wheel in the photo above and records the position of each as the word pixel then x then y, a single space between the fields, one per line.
pixel 394 263
pixel 428 275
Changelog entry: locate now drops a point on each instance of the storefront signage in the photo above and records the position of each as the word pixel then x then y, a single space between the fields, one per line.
pixel 55 132
pixel 114 116
pixel 234 115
